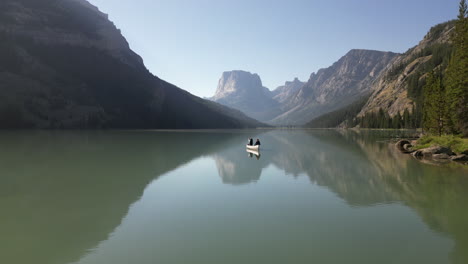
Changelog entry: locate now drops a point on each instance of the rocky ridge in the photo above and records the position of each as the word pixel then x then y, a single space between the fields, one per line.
pixel 332 88
pixel 284 92
pixel 390 90
pixel 296 103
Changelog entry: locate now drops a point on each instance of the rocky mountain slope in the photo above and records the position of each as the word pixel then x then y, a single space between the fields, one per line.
pixel 296 103
pixel 341 84
pixel 63 64
pixel 244 91
pixel 401 83
pixel 282 93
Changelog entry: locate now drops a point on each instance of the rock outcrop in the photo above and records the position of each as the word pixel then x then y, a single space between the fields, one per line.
pixel 429 152
pixel 244 91
pixel 433 154
pixel 460 158
pixel 404 146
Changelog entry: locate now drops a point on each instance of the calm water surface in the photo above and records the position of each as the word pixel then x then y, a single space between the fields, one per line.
pixel 198 197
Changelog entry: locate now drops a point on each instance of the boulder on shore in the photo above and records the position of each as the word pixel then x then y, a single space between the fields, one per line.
pixel 460 158
pixel 442 156
pixel 429 152
pixel 404 146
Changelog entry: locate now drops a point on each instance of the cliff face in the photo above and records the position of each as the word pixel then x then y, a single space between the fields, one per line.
pixel 239 84
pixel 296 102
pixel 329 89
pixel 391 90
pixel 244 91
pixel 75 23
pixel 63 64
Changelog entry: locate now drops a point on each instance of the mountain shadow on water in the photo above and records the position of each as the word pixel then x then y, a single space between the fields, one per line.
pixel 74 188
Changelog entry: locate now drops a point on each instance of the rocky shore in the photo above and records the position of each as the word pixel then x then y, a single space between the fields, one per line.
pixel 433 153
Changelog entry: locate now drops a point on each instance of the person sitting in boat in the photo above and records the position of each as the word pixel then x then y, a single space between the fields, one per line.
pixel 257 143
pixel 250 142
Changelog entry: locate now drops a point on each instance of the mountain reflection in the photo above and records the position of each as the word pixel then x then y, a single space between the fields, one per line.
pixel 363 168
pixel 70 190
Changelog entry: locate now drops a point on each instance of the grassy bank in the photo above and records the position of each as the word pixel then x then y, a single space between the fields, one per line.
pixel 456 143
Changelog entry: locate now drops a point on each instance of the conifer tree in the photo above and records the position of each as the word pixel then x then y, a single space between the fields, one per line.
pixel 457 75
pixel 406 119
pixel 434 105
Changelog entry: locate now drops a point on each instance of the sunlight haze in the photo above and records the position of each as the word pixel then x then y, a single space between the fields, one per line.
pixel 190 43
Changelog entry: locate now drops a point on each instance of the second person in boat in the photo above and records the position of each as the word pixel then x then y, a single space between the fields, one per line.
pixel 257 143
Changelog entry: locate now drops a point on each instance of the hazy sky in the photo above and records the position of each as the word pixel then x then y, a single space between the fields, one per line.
pixel 191 42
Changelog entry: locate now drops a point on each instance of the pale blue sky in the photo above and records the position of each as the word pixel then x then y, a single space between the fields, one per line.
pixel 191 42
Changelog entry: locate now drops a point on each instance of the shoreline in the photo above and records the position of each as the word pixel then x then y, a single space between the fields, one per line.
pixel 441 149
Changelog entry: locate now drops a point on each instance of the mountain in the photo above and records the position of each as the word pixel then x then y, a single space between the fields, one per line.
pixel 244 91
pixel 282 93
pixel 399 87
pixel 396 94
pixel 63 64
pixel 329 89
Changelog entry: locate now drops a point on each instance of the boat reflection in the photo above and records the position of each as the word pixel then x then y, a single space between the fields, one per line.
pixel 253 153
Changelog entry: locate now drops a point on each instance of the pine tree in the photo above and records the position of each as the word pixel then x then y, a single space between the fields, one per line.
pixel 457 74
pixel 396 121
pixel 434 105
pixel 381 119
pixel 406 119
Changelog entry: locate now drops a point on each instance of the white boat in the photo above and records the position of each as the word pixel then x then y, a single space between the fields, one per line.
pixel 257 147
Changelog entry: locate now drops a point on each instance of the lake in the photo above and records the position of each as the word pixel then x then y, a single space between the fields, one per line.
pixel 308 196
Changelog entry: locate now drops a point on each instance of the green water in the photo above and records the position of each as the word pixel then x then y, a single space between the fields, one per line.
pixel 199 197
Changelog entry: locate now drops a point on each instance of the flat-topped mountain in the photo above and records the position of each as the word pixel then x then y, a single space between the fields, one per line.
pixel 63 64
pixel 296 103
pixel 244 91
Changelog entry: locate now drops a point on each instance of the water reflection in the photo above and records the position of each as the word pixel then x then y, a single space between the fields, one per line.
pixel 364 169
pixel 253 153
pixel 61 193
pixel 70 190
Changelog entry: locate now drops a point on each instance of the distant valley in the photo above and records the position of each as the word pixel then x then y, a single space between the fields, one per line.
pixel 297 102
pixel 362 82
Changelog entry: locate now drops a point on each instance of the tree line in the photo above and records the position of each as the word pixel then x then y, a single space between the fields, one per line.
pixel 445 94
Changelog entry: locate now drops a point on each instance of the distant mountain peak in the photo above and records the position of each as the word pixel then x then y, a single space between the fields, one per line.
pixel 283 93
pixel 236 83
pixel 244 91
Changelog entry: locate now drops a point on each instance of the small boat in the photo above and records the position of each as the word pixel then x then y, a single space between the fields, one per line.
pixel 257 147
